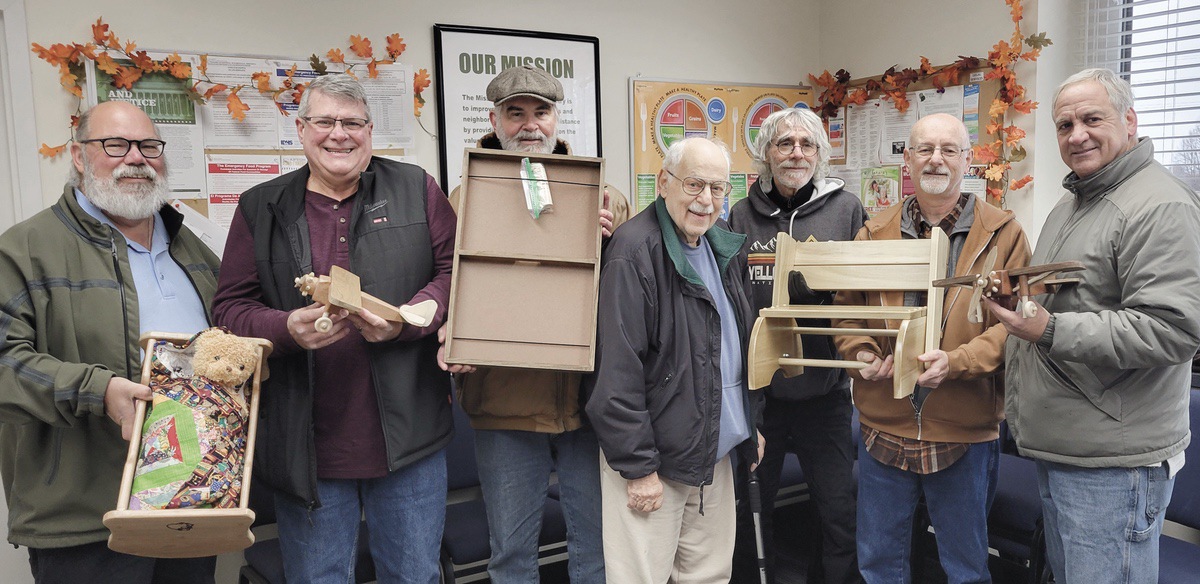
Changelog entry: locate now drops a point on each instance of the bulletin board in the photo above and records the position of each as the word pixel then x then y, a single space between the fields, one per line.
pixel 663 111
pixel 868 140
pixel 213 158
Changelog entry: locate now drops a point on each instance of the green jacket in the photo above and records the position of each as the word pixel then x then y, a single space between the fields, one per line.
pixel 69 323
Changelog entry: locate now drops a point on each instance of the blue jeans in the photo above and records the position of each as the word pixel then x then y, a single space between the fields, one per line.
pixel 405 513
pixel 1102 524
pixel 514 471
pixel 958 499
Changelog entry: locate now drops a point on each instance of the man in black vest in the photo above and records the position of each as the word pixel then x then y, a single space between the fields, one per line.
pixel 354 421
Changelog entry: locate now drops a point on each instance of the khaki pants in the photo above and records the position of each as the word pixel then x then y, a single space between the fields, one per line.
pixel 674 544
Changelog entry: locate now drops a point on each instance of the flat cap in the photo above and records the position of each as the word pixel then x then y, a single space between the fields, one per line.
pixel 524 80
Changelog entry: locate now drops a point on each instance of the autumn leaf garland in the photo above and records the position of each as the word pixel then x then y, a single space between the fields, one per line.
pixel 69 58
pixel 998 155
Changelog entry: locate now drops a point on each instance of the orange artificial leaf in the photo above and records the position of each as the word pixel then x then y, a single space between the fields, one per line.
pixel 125 77
pixel 373 69
pixel 143 61
pixel 1020 183
pixel 361 46
pixel 215 89
pixel 350 72
pixel 395 45
pixel 100 31
pixel 421 81
pixel 177 67
pixel 297 93
pixel 1025 107
pixel 1014 135
pixel 825 80
pixel 417 103
pixel 926 66
pixel 857 97
pixel 291 72
pixel 996 171
pixel 335 56
pixel 1017 10
pixel 237 108
pixel 74 121
pixel 997 109
pixel 900 98
pixel 44 53
pixel 66 78
pixel 204 65
pixel 1031 55
pixel 130 48
pixel 985 154
pixel 994 127
pixel 262 81
pixel 279 106
pixel 88 50
pixel 105 63
pixel 994 193
pixel 51 151
pixel 113 43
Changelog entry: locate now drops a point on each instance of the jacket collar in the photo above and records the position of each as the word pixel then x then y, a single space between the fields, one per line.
pixel 291 201
pixel 1113 173
pixel 492 141
pixel 762 204
pixel 724 243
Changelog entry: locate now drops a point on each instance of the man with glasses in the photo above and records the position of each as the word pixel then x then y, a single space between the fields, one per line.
pixel 354 420
pixel 79 283
pixel 527 421
pixel 669 399
pixel 808 414
pixel 942 441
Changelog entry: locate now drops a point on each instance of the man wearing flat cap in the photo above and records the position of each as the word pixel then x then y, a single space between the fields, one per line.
pixel 527 422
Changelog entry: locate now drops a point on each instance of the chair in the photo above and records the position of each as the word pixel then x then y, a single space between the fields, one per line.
pixel 1179 557
pixel 909 265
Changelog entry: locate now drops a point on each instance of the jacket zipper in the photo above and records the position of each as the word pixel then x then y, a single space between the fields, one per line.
pixel 112 241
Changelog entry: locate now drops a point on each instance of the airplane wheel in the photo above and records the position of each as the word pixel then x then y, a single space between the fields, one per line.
pixel 323 324
pixel 1028 309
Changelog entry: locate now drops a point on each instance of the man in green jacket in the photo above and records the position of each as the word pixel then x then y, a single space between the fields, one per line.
pixel 79 283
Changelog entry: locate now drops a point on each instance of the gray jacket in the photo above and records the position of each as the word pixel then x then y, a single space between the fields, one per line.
pixel 1107 384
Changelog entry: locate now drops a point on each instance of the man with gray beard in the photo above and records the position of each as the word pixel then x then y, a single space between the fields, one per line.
pixel 942 441
pixel 527 422
pixel 79 283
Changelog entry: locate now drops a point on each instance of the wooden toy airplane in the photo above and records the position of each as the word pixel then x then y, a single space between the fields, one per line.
pixel 341 289
pixel 1005 286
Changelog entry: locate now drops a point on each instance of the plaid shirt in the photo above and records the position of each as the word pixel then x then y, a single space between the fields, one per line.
pixel 910 454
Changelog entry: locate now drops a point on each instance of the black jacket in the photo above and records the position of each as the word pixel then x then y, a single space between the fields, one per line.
pixel 655 399
pixel 832 214
pixel 394 260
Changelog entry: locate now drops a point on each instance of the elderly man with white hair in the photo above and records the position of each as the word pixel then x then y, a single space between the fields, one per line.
pixel 808 414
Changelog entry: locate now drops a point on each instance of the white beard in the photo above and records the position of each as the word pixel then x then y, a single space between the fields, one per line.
pixel 132 202
pixel 513 143
pixel 935 184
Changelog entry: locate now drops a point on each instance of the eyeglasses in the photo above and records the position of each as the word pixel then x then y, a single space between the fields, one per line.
pixel 348 124
pixel 948 152
pixel 694 186
pixel 786 147
pixel 119 147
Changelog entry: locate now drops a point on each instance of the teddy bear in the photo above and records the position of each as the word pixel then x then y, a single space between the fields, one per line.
pixel 194 437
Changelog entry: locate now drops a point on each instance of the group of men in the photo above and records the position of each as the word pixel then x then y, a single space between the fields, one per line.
pixel 354 421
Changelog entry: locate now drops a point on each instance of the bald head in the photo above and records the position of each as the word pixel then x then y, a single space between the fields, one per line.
pixel 128 184
pixel 938 123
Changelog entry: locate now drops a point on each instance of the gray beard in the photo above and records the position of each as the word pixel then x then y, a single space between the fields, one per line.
pixel 935 185
pixel 132 202
pixel 513 143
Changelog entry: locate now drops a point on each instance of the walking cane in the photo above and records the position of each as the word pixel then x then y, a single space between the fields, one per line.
pixel 756 512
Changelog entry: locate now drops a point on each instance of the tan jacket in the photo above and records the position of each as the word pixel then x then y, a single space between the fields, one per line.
pixel 967 407
pixel 533 400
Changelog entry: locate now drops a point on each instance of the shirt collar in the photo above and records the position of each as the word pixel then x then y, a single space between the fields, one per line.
pixel 158 242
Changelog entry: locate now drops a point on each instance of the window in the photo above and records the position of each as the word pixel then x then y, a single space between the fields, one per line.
pixel 1155 45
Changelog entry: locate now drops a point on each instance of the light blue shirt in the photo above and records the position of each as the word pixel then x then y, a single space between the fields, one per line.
pixel 166 299
pixel 734 429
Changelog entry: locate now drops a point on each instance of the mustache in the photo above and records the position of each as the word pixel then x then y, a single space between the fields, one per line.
pixel 126 171
pixel 795 165
pixel 527 135
pixel 696 207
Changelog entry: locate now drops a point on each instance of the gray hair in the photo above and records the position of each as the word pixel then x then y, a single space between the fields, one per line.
pixel 1120 94
pixel 780 122
pixel 339 86
pixel 674 154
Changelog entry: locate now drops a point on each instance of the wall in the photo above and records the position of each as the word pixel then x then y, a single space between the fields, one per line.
pixel 943 31
pixel 705 40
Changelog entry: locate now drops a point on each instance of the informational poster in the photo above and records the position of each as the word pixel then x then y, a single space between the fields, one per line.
pixel 880 188
pixel 468 58
pixel 665 111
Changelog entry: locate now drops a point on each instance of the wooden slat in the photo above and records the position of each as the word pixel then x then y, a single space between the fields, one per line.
pixel 816 330
pixel 882 253
pixel 857 312
pixel 858 276
pixel 826 363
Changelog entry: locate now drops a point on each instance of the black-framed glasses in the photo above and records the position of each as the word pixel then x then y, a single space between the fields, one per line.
pixel 348 124
pixel 786 147
pixel 948 152
pixel 694 186
pixel 119 147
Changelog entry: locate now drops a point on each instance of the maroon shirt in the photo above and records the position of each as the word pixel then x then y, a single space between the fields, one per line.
pixel 348 430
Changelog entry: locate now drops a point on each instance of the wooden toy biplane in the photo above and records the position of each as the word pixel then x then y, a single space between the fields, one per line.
pixel 1012 288
pixel 341 289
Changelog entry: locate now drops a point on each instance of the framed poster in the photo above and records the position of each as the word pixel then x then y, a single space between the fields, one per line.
pixel 467 58
pixel 664 111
